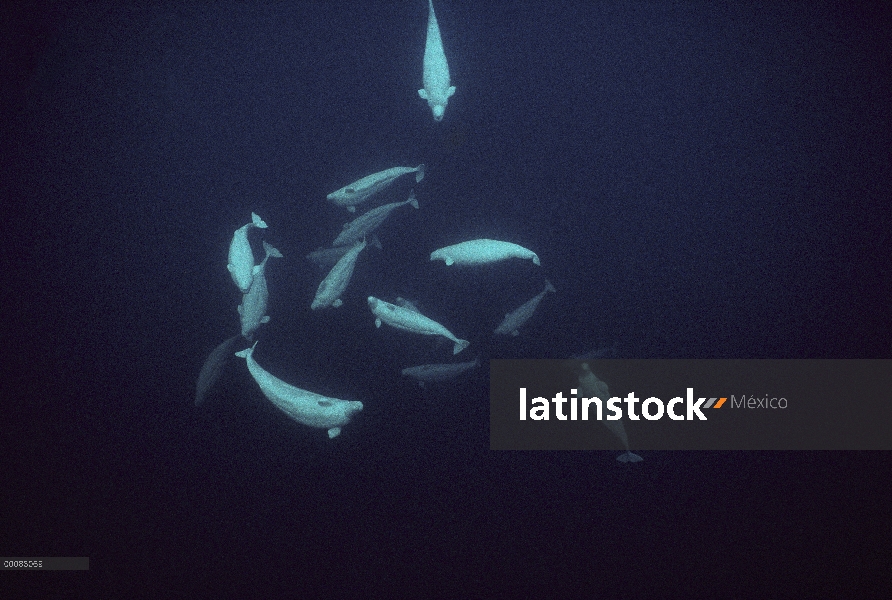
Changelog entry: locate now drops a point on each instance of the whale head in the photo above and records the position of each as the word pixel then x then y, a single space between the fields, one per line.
pixel 438 110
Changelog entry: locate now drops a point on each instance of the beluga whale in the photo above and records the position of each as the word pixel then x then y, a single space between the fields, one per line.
pixel 360 191
pixel 482 252
pixel 213 368
pixel 439 372
pixel 304 407
pixel 436 90
pixel 241 259
pixel 326 258
pixel 515 319
pixel 335 283
pixel 592 387
pixel 252 310
pixel 364 225
pixel 411 320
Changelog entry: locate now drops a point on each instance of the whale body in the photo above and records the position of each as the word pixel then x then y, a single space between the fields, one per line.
pixel 515 319
pixel 360 191
pixel 435 78
pixel 252 310
pixel 481 252
pixel 592 387
pixel 406 304
pixel 241 259
pixel 213 368
pixel 337 280
pixel 410 320
pixel 304 407
pixel 439 372
pixel 326 258
pixel 363 225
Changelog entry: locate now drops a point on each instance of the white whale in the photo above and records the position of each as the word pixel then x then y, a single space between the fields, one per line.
pixel 252 310
pixel 410 320
pixel 241 259
pixel 213 368
pixel 337 280
pixel 515 319
pixel 363 225
pixel 436 90
pixel 592 387
pixel 326 258
pixel 360 191
pixel 481 252
pixel 304 407
pixel 439 372
pixel 406 304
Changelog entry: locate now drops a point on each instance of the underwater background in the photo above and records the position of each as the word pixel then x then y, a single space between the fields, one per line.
pixel 699 180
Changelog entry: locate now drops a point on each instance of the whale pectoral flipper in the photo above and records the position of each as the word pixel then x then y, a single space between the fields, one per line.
pixel 334 432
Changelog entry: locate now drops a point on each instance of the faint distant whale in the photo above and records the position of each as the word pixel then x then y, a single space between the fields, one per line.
pixel 360 191
pixel 515 319
pixel 326 258
pixel 241 259
pixel 439 372
pixel 335 283
pixel 213 368
pixel 406 304
pixel 592 387
pixel 436 90
pixel 304 407
pixel 481 252
pixel 410 320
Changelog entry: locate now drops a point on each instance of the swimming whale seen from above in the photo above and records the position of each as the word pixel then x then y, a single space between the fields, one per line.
pixel 482 252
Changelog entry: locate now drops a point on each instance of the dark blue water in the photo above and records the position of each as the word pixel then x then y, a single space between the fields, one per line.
pixel 699 182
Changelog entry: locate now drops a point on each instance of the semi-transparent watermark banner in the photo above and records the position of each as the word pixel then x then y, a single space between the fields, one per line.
pixel 691 404
pixel 44 563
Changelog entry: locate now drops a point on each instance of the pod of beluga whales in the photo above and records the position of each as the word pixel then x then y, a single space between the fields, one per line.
pixel 331 414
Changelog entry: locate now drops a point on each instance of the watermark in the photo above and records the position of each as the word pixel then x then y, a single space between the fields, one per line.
pixel 690 404
pixel 44 563
pixel 651 409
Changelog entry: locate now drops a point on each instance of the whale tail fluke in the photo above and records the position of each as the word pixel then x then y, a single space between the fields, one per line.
pixel 627 457
pixel 460 345
pixel 257 221
pixel 247 352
